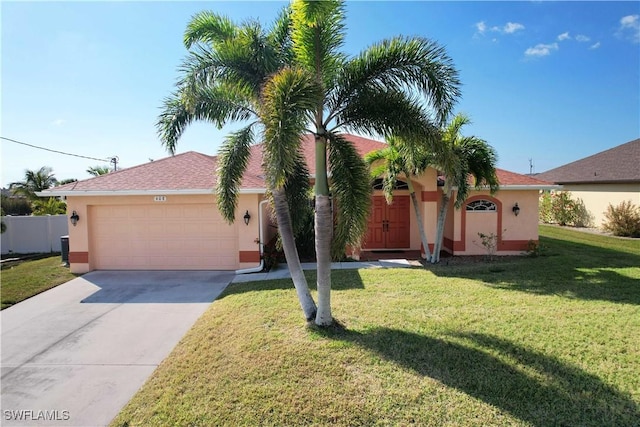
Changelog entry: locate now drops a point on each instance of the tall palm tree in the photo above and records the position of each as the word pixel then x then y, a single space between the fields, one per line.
pixel 399 86
pixel 396 159
pixel 230 75
pixel 34 181
pixel 460 159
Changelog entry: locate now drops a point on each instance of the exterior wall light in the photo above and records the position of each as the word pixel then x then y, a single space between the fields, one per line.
pixel 74 218
pixel 246 217
pixel 516 209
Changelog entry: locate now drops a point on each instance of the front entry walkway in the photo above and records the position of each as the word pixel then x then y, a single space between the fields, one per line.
pixel 282 271
pixel 76 354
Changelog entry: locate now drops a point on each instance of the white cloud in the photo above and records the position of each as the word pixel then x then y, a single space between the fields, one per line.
pixel 508 28
pixel 541 49
pixel 629 21
pixel 582 38
pixel 630 28
pixel 595 45
pixel 512 27
pixel 564 36
pixel 58 122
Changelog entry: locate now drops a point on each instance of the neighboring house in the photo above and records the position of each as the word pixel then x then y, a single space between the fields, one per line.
pixel 163 216
pixel 608 177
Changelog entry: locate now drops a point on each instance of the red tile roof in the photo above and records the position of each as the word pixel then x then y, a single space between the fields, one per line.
pixel 186 171
pixel 506 178
pixel 192 171
pixel 616 165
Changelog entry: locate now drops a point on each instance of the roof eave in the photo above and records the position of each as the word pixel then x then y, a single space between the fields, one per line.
pixel 520 187
pixel 165 192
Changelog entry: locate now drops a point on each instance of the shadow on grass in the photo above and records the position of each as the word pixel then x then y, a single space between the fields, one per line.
pixel 535 388
pixel 340 280
pixel 569 269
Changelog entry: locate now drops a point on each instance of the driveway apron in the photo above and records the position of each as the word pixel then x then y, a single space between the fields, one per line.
pixel 76 354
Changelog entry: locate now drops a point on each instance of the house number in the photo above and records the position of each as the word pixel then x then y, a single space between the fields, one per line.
pixel 160 198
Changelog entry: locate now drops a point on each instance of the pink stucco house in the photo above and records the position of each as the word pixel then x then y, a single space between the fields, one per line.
pixel 162 215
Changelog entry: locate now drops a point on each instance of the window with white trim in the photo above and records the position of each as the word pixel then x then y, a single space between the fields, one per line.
pixel 481 205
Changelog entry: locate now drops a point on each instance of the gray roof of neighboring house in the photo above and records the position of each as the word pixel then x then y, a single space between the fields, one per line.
pixel 617 165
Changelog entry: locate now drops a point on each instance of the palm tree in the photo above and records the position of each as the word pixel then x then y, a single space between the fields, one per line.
pixel 397 87
pixel 459 159
pixel 34 181
pixel 396 159
pixel 230 75
pixel 98 170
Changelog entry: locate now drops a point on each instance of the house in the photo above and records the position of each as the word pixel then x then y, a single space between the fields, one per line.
pixel 162 215
pixel 609 177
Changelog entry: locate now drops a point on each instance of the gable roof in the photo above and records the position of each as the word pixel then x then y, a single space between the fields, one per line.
pixel 616 165
pixel 512 180
pixel 194 173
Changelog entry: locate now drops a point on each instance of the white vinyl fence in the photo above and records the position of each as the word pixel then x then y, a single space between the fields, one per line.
pixel 33 234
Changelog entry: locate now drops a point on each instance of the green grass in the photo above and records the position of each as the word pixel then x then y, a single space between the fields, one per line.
pixel 28 278
pixel 546 341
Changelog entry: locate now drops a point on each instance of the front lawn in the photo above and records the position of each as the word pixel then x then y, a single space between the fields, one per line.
pixel 27 278
pixel 543 341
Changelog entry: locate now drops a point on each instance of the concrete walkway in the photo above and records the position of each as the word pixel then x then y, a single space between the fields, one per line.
pixel 282 271
pixel 76 354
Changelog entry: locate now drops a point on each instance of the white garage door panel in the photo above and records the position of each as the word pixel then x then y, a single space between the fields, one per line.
pixel 161 237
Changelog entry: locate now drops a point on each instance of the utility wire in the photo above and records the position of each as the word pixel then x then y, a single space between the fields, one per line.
pixel 108 160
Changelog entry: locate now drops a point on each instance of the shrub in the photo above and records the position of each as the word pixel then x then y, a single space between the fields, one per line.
pixel 490 243
pixel 560 208
pixel 623 220
pixel 544 211
pixel 272 254
pixel 15 206
pixel 534 248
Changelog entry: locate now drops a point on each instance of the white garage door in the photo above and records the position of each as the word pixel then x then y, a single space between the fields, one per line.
pixel 161 237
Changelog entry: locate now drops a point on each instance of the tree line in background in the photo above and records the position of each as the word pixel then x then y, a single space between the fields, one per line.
pixel 23 200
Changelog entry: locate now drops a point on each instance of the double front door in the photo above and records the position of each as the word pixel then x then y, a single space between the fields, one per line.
pixel 389 225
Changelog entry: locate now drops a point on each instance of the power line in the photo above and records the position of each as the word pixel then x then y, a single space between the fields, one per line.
pixel 108 160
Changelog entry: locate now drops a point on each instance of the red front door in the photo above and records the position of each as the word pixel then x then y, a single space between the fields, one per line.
pixel 389 224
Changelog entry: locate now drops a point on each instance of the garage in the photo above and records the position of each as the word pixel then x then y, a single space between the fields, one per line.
pixel 161 237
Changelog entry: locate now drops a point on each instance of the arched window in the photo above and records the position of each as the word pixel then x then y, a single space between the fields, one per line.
pixel 400 185
pixel 481 206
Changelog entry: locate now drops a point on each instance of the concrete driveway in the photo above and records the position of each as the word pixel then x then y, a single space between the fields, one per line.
pixel 76 354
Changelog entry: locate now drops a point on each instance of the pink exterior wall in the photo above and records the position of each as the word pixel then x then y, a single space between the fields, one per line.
pixel 513 232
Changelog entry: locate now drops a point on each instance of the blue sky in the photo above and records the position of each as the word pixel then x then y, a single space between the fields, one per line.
pixel 548 81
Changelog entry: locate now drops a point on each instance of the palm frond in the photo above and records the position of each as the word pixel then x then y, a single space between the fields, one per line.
pixel 233 158
pixel 208 27
pixel 280 36
pixel 388 113
pixel 298 189
pixel 351 190
pixel 401 64
pixel 318 34
pixel 287 98
pixel 217 105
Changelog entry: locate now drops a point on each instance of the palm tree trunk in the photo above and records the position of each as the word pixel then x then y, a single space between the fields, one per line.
pixel 416 208
pixel 442 215
pixel 324 231
pixel 291 253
